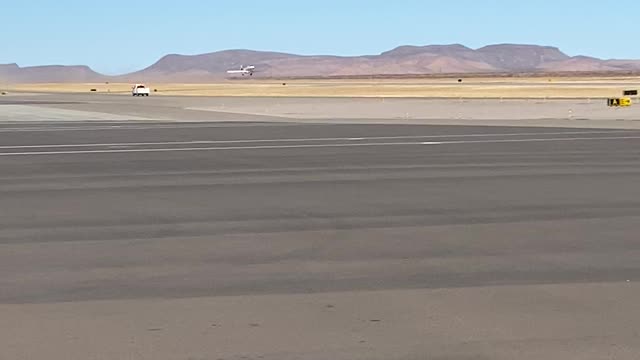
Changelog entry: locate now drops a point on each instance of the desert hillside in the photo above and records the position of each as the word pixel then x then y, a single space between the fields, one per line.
pixel 401 61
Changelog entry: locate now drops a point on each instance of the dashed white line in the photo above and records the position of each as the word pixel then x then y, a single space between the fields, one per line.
pixel 343 145
pixel 241 141
pixel 137 127
pixel 226 148
pixel 498 141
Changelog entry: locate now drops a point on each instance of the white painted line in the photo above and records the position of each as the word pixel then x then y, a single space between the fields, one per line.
pixel 498 141
pixel 140 127
pixel 205 142
pixel 345 145
pixel 263 147
pixel 195 142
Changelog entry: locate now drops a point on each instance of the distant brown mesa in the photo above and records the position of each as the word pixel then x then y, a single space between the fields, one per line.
pixel 419 62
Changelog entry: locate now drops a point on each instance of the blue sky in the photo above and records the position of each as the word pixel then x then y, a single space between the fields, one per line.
pixel 119 36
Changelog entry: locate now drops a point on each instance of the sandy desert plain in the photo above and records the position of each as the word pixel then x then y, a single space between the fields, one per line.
pixel 487 87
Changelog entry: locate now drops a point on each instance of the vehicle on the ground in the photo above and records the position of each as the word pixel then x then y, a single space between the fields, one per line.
pixel 140 90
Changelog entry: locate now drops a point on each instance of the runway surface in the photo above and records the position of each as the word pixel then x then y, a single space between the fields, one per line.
pixel 139 211
pixel 380 196
pixel 559 113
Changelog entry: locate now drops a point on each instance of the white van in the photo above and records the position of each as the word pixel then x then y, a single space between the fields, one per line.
pixel 140 90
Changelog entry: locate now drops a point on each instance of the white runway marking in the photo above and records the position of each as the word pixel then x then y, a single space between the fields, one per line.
pixel 139 127
pixel 407 137
pixel 499 141
pixel 343 145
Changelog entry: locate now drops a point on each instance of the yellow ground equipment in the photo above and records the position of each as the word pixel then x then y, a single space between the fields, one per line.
pixel 619 102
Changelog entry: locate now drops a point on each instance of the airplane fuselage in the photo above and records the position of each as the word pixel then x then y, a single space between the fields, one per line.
pixel 244 70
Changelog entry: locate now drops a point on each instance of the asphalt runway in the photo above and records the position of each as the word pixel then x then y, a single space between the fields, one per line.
pixel 384 188
pixel 111 211
pixel 558 113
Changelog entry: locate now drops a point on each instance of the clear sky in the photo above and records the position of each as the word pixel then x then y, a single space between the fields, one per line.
pixel 120 36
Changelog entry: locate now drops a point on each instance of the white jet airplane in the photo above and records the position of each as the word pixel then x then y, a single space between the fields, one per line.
pixel 244 70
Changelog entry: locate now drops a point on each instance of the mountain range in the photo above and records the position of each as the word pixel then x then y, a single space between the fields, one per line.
pixel 401 61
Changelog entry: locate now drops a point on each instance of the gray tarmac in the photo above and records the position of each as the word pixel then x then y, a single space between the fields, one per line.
pixel 369 194
pixel 461 242
pixel 567 113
